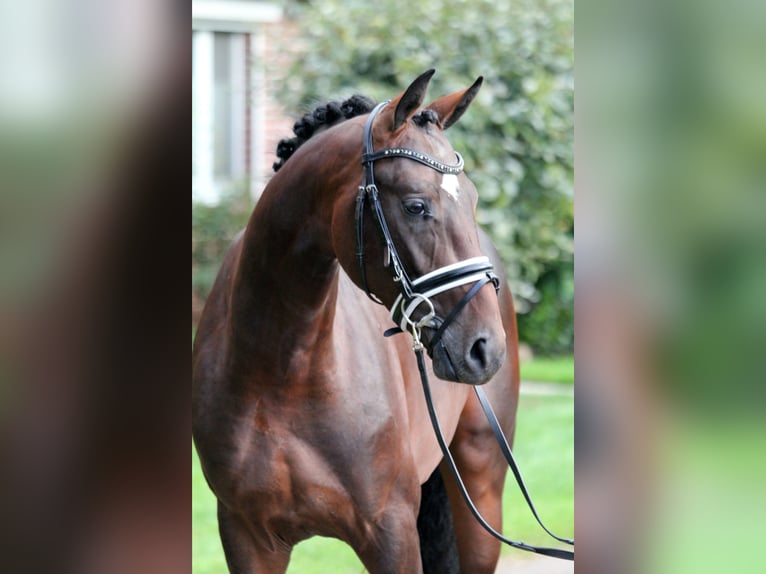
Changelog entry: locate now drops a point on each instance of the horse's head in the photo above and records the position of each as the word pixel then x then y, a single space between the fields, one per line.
pixel 416 241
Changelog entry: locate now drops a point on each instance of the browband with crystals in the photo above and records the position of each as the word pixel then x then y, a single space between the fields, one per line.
pixel 453 169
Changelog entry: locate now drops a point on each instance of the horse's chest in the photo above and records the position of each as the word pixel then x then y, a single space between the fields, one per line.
pixel 301 470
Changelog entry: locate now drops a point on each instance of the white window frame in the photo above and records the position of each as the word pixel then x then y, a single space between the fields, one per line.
pixel 208 17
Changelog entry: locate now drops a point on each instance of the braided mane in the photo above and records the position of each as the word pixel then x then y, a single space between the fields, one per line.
pixel 328 115
pixel 322 117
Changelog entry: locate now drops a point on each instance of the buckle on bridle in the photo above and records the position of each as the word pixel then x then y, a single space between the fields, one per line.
pixel 416 327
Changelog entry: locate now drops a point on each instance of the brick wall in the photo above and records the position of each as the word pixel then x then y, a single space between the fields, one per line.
pixel 279 51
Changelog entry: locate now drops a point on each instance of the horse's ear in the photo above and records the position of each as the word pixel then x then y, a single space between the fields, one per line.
pixel 410 100
pixel 450 108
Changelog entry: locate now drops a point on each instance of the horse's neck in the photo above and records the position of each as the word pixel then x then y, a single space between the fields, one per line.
pixel 285 284
pixel 286 280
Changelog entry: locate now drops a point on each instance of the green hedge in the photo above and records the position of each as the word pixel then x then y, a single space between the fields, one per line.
pixel 213 228
pixel 548 327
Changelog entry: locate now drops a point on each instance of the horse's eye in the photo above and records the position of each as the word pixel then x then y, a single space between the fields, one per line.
pixel 415 207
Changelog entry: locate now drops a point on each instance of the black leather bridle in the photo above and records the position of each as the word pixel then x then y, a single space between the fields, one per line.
pixel 414 293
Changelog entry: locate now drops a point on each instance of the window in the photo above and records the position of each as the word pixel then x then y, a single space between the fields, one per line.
pixel 219 113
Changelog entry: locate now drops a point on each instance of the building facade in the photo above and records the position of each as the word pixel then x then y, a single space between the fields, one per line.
pixel 229 96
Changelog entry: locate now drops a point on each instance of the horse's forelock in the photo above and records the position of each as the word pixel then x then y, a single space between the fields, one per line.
pixel 425 117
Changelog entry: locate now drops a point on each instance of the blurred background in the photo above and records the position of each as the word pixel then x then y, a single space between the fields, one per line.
pixel 671 271
pixel 670 176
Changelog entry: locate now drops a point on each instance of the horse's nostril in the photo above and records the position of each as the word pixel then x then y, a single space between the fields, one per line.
pixel 478 353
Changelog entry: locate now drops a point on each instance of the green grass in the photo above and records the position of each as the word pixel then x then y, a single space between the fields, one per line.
pixel 544 451
pixel 549 369
pixel 543 448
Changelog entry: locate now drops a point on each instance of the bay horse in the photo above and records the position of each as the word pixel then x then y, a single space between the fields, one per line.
pixel 306 419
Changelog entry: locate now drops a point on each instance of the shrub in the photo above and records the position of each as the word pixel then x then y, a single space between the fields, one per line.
pixel 213 228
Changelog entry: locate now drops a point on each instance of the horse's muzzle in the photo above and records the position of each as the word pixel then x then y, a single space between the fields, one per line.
pixel 475 362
